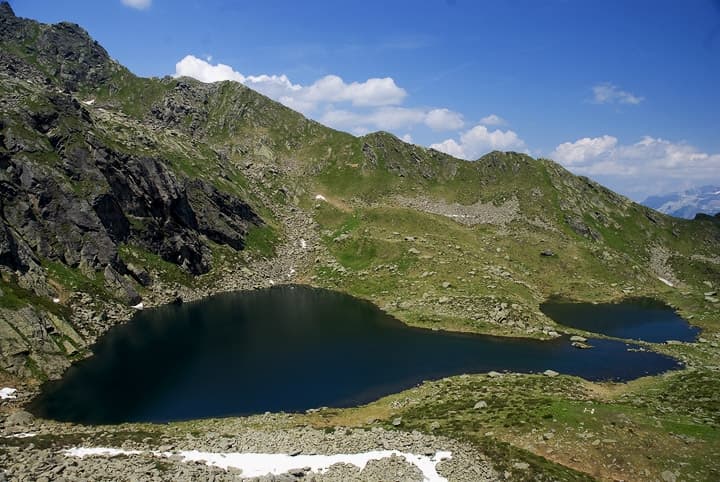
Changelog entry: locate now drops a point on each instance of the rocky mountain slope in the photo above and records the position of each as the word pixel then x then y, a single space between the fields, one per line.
pixel 688 203
pixel 117 190
pixel 72 200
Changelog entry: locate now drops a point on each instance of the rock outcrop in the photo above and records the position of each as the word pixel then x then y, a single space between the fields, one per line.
pixel 71 196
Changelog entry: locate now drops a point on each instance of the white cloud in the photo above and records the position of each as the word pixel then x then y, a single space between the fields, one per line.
pixel 342 118
pixel 331 88
pixel 203 71
pixel 443 120
pixel 493 120
pixel 407 138
pixel 450 146
pixel 607 93
pixel 372 92
pixel 384 118
pixel 360 131
pixel 478 141
pixel 582 150
pixel 391 118
pixel 138 4
pixel 648 166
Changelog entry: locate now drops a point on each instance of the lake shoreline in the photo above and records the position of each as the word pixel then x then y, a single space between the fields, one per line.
pixel 311 335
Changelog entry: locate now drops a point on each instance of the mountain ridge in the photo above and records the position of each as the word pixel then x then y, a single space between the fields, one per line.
pixel 168 174
pixel 119 192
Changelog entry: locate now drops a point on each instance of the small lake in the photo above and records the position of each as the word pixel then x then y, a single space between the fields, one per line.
pixel 635 319
pixel 290 349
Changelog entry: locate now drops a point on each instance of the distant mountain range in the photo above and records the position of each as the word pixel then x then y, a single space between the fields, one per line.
pixel 687 204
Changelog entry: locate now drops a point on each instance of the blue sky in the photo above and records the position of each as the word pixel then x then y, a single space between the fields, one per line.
pixel 624 91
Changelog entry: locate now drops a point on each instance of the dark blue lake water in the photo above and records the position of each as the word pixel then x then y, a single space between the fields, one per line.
pixel 291 349
pixel 636 319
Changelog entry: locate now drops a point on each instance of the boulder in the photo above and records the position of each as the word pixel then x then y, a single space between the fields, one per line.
pixel 121 287
pixel 668 476
pixel 140 274
pixel 20 418
pixel 579 227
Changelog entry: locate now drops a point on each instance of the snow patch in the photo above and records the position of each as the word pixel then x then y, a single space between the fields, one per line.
pixel 258 464
pixel 666 281
pixel 56 300
pixel 303 243
pixel 139 306
pixel 23 435
pixel 7 393
pixel 89 102
pixel 320 197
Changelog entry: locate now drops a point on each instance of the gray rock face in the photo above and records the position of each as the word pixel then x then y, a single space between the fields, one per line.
pixel 71 195
pixel 30 331
pixel 8 249
pixel 42 212
pixel 6 10
pixel 577 225
pixel 77 211
pixel 174 212
pixel 121 286
pixel 50 219
pixel 64 50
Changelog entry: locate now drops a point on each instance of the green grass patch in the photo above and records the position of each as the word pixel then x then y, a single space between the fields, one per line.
pixel 15 297
pixel 74 279
pixel 262 240
pixel 167 271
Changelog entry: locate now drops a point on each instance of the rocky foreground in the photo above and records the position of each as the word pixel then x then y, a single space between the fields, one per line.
pixel 43 451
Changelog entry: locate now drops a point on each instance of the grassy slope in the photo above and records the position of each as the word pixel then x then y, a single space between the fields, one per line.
pixel 473 259
pixel 642 428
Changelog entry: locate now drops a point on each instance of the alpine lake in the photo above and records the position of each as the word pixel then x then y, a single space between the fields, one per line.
pixel 293 348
